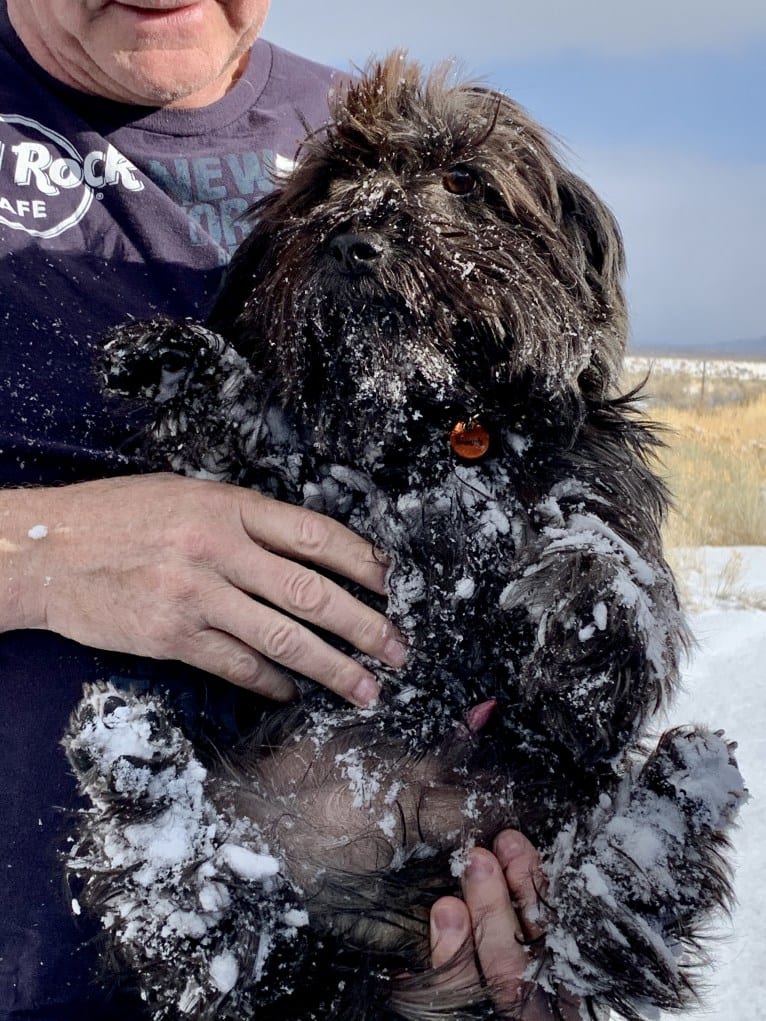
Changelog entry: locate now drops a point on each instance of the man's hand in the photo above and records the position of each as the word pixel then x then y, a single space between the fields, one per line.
pixel 167 567
pixel 498 915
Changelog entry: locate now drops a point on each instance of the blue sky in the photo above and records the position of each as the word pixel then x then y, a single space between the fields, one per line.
pixel 660 104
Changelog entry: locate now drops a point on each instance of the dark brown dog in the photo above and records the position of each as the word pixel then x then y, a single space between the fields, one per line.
pixel 421 336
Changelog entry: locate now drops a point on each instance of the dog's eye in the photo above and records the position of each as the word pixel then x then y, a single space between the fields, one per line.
pixel 460 181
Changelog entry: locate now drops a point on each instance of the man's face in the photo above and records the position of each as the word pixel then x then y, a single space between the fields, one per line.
pixel 150 52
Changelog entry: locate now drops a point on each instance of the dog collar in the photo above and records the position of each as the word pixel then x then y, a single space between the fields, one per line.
pixel 469 440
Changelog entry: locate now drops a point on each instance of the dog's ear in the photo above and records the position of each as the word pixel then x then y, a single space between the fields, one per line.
pixel 541 182
pixel 595 247
pixel 232 309
pixel 594 233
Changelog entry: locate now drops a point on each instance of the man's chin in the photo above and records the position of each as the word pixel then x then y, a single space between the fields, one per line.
pixel 170 78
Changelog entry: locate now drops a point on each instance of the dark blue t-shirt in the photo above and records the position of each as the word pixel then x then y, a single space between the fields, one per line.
pixel 107 212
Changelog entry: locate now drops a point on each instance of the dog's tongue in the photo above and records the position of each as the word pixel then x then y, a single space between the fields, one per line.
pixel 478 716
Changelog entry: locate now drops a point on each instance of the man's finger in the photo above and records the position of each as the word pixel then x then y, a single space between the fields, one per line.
pixel 522 867
pixel 288 643
pixel 498 934
pixel 304 535
pixel 221 654
pixel 450 925
pixel 305 594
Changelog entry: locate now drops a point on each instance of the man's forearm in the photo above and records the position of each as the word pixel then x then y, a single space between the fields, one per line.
pixel 24 527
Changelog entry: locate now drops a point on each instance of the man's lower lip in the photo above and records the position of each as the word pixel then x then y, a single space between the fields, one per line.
pixel 157 13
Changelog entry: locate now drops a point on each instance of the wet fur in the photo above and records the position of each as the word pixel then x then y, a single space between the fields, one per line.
pixel 331 376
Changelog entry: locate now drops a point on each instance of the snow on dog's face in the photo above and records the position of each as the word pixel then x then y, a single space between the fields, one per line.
pixel 429 245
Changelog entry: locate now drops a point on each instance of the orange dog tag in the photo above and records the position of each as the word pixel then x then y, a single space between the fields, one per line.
pixel 469 440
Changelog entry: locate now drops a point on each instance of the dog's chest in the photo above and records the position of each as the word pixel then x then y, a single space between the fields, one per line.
pixel 451 532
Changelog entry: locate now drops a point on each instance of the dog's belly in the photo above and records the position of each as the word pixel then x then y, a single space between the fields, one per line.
pixel 370 830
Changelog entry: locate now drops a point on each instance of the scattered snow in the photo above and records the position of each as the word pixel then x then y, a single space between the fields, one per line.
pixel 296 918
pixel 519 444
pixel 363 779
pixel 406 694
pixel 600 616
pixel 459 859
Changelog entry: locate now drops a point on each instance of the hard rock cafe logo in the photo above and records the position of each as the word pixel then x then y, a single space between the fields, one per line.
pixel 46 186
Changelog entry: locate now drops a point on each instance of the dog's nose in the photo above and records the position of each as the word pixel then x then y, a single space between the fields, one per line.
pixel 356 253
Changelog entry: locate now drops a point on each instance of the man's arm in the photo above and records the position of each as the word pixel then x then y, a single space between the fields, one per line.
pixel 167 567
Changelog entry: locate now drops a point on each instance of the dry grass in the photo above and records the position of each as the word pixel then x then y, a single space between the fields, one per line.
pixel 698 390
pixel 715 460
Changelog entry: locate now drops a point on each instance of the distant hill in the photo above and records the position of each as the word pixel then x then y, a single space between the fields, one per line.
pixel 752 349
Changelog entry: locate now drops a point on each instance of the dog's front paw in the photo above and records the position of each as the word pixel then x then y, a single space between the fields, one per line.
pixel 207 409
pixel 158 358
pixel 124 748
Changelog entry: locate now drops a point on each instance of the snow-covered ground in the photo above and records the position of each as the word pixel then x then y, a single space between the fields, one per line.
pixel 722 368
pixel 725 685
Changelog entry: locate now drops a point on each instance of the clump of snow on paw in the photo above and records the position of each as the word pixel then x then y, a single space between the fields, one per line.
pixel 249 864
pixel 708 777
pixel 224 971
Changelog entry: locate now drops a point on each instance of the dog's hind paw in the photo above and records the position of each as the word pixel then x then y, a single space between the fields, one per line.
pixel 697 770
pixel 124 747
pixel 190 899
pixel 631 888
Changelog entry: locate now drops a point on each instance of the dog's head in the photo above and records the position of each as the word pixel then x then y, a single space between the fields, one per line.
pixel 430 244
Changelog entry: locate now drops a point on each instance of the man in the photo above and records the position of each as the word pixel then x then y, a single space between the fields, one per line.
pixel 132 136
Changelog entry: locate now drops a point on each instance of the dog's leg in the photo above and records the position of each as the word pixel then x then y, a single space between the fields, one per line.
pixel 599 630
pixel 191 901
pixel 632 887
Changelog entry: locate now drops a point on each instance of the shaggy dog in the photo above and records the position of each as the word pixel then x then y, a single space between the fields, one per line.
pixel 422 337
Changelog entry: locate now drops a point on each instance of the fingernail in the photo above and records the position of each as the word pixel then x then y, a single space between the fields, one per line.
pixel 395 651
pixel 381 557
pixel 446 917
pixel 509 845
pixel 479 867
pixel 366 692
pixel 383 565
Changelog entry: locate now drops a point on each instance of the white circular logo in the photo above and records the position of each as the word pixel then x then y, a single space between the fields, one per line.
pixel 46 186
